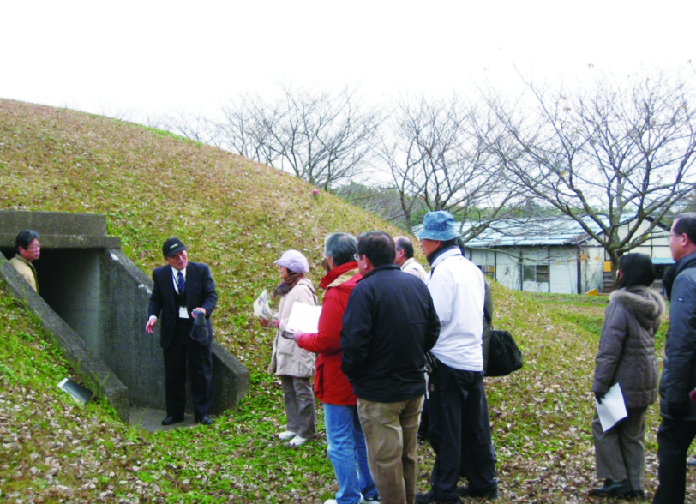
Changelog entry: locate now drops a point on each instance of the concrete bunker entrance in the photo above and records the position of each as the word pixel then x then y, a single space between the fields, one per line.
pixel 69 283
pixel 94 301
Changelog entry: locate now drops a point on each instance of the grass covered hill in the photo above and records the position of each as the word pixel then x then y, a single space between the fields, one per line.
pixel 238 216
pixel 233 214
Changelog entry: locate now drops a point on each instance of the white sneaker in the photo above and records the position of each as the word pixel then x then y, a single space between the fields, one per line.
pixel 331 501
pixel 298 440
pixel 288 434
pixel 363 500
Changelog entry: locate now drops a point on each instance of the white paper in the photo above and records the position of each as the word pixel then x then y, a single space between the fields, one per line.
pixel 612 409
pixel 261 309
pixel 303 318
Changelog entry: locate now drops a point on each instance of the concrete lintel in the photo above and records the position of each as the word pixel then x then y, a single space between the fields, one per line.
pixel 49 242
pixel 54 223
pixel 58 230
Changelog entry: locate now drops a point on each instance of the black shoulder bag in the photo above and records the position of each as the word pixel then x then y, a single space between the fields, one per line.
pixel 504 356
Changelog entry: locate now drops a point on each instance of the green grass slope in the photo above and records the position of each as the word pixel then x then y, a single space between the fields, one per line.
pixel 238 216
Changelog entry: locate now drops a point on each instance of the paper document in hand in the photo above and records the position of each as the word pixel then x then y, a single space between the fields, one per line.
pixel 261 309
pixel 612 409
pixel 304 318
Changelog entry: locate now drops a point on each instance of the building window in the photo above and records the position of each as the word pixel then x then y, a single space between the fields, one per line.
pixel 539 274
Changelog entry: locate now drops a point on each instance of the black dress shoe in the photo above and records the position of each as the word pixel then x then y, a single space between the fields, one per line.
pixel 637 494
pixel 430 499
pixel 172 420
pixel 613 488
pixel 490 493
pixel 205 420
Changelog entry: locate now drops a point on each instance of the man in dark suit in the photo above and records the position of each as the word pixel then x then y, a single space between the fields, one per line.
pixel 180 291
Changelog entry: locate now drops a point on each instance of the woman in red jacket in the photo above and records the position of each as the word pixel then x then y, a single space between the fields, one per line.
pixel 346 449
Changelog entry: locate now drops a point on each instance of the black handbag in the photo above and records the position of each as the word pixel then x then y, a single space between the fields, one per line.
pixel 504 356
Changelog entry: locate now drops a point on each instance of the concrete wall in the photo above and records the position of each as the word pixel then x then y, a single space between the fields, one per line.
pixel 566 267
pixel 572 269
pixel 657 244
pixel 95 300
pixel 94 373
pixel 69 282
pixel 133 354
pixel 136 356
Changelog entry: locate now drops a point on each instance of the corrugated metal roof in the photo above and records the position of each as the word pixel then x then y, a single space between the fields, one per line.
pixel 661 261
pixel 530 232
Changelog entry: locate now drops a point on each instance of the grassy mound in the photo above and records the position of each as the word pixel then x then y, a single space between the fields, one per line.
pixel 238 216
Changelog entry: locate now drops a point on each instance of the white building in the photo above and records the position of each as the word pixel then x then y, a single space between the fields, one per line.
pixel 553 254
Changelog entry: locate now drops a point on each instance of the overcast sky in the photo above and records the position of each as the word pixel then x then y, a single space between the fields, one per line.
pixel 151 57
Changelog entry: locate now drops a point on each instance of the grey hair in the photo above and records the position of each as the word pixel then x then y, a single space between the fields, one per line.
pixel 342 247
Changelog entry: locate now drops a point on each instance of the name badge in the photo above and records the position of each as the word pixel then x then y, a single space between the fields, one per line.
pixel 183 312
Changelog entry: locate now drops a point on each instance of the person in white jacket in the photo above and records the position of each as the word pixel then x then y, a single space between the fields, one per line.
pixel 459 426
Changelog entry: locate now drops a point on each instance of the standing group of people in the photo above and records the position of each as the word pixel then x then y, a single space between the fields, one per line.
pixel 626 356
pixel 380 315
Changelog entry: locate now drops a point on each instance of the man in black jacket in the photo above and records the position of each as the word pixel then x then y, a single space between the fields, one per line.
pixel 678 426
pixel 180 290
pixel 389 323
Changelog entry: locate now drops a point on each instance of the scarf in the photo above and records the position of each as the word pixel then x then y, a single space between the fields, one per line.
pixel 287 284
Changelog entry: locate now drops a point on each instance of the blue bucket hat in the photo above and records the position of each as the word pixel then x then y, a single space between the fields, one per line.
pixel 438 226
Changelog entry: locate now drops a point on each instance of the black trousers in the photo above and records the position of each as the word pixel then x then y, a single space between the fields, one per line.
pixel 460 432
pixel 200 366
pixel 673 440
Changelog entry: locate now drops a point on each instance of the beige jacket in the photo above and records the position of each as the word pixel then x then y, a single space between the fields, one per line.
pixel 288 359
pixel 414 268
pixel 26 270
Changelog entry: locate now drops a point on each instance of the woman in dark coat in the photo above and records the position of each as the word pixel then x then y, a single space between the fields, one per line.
pixel 626 355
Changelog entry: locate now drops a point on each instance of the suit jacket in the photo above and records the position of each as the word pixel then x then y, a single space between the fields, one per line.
pixel 200 292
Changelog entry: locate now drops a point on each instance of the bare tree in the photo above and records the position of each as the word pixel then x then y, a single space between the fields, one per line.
pixel 615 153
pixel 194 126
pixel 438 156
pixel 246 128
pixel 324 138
pixel 382 201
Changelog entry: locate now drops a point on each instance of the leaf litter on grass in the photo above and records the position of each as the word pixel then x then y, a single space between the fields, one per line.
pixel 238 216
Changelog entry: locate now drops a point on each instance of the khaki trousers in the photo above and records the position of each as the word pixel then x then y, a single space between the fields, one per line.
pixel 392 447
pixel 300 413
pixel 620 451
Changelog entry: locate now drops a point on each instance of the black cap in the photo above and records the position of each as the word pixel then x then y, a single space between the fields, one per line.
pixel 172 247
